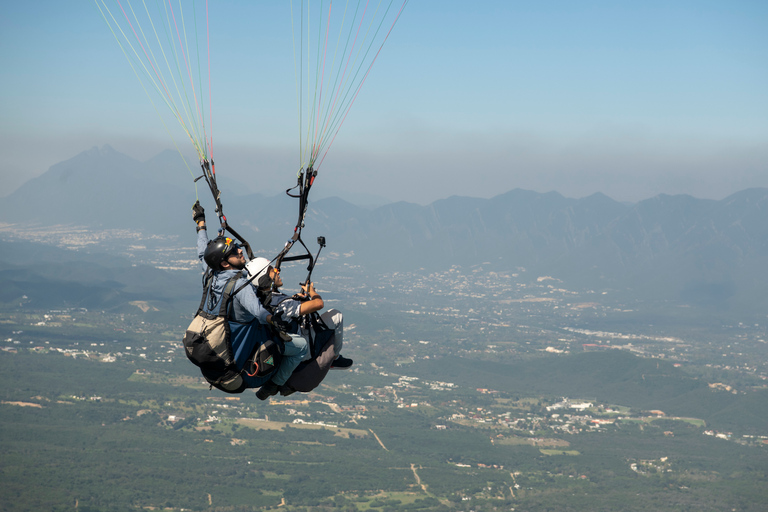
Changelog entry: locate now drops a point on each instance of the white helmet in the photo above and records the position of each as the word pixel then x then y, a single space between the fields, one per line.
pixel 258 267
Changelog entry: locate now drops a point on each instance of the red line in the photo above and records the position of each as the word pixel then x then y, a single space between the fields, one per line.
pixel 186 62
pixel 361 83
pixel 210 98
pixel 322 73
pixel 149 60
pixel 341 81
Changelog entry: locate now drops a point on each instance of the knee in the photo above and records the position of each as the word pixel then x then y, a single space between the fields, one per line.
pixel 301 345
pixel 297 345
pixel 333 316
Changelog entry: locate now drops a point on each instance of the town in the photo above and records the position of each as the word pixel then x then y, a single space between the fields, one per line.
pixel 525 419
pixel 465 379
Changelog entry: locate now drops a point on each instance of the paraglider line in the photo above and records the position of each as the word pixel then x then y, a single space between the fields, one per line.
pixel 361 84
pixel 184 55
pixel 210 97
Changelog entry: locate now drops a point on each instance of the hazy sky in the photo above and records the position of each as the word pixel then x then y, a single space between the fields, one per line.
pixel 475 98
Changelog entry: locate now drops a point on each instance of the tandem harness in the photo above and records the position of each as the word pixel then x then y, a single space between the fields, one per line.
pixel 208 345
pixel 310 373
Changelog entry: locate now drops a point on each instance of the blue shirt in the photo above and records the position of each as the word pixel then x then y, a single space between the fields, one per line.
pixel 247 319
pixel 245 305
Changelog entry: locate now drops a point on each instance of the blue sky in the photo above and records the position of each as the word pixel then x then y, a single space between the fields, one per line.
pixel 631 99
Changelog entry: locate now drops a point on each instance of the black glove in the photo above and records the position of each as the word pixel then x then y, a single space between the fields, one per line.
pixel 198 212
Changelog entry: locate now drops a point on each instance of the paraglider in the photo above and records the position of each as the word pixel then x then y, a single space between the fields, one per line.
pixel 243 335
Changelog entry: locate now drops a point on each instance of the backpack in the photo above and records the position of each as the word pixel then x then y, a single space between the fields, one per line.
pixel 208 345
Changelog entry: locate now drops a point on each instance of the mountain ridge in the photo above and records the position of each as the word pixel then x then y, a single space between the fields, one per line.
pixel 670 246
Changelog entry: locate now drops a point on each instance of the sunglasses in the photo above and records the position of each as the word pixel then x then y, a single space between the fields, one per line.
pixel 233 251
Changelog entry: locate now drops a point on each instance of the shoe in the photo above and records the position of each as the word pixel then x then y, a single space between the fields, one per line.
pixel 286 390
pixel 341 363
pixel 267 390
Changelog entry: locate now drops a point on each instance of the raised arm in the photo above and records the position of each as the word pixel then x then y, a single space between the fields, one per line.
pixel 198 215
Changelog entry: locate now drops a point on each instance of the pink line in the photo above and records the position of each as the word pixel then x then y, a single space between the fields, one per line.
pixel 341 81
pixel 186 62
pixel 149 60
pixel 210 98
pixel 361 83
pixel 322 74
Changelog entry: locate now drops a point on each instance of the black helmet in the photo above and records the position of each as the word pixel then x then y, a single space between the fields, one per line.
pixel 218 250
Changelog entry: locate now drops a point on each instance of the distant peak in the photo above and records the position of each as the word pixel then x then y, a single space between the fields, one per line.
pixel 104 150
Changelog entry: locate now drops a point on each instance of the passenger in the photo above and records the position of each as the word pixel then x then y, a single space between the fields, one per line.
pixel 292 308
pixel 247 319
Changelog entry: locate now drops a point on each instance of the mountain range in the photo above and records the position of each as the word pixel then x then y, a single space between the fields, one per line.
pixel 702 251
